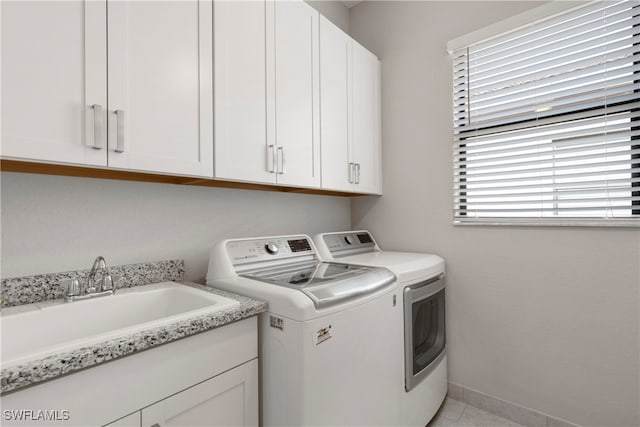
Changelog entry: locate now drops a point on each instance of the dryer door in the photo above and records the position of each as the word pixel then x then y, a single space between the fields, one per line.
pixel 424 329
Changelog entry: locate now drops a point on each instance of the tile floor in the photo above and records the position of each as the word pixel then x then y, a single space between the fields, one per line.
pixel 454 413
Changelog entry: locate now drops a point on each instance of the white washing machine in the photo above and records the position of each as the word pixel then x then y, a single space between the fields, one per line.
pixel 420 325
pixel 325 352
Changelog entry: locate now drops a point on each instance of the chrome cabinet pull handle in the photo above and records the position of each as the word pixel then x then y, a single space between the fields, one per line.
pixel 97 126
pixel 271 159
pixel 119 131
pixel 351 173
pixel 281 169
pixel 357 173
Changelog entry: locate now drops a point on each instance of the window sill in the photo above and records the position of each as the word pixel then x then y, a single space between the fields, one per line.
pixel 551 222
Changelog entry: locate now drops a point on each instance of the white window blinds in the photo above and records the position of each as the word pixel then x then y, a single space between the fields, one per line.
pixel 547 120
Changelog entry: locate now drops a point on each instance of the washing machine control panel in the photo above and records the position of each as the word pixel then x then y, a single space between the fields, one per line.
pixel 267 249
pixel 352 241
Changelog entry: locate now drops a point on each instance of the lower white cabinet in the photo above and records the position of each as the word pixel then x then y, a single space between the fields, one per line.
pixel 207 379
pixel 229 399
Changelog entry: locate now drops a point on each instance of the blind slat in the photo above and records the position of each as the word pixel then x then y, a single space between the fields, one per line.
pixel 566 57
pixel 616 67
pixel 537 170
pixel 603 95
pixel 545 158
pixel 462 189
pixel 557 94
pixel 478 212
pixel 613 139
pixel 560 64
pixel 542 177
pixel 580 41
pixel 477 205
pixel 576 17
pixel 592 115
pixel 554 112
pixel 551 192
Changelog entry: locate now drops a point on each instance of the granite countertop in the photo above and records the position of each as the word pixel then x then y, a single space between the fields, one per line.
pixel 49 367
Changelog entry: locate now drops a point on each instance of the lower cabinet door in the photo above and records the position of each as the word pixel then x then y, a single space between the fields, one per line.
pixel 229 399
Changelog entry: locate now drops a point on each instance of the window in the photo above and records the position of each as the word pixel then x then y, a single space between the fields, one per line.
pixel 547 120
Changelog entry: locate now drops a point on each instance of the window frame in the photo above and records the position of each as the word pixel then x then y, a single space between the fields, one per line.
pixel 546 11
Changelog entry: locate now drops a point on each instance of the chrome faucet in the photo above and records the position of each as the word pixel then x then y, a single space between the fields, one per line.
pixel 98 265
pixel 73 291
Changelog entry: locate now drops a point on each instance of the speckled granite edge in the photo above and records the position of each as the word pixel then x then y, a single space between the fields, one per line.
pixel 19 376
pixel 44 287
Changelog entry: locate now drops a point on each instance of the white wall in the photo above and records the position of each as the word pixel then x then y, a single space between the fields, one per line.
pixel 52 223
pixel 547 318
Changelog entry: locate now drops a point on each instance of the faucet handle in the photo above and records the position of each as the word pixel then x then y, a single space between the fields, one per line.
pixel 108 282
pixel 71 287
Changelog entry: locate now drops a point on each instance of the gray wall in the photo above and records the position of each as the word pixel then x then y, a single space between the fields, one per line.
pixel 52 223
pixel 547 318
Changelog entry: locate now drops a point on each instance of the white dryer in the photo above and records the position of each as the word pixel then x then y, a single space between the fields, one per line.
pixel 325 341
pixel 419 326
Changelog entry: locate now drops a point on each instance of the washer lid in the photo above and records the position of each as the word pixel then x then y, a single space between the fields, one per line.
pixel 325 283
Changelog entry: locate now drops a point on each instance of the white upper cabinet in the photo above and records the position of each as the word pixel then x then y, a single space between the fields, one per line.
pixel 350 113
pixel 241 151
pixel 295 100
pixel 55 73
pixel 52 73
pixel 335 54
pixel 266 92
pixel 260 91
pixel 365 121
pixel 160 86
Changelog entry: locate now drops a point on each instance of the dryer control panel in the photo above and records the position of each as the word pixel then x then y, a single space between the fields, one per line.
pixel 268 249
pixel 349 243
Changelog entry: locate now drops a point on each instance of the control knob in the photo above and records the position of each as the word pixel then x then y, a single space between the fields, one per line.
pixel 349 240
pixel 271 248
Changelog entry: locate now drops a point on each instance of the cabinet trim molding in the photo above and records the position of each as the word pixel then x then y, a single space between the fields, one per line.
pixel 8 165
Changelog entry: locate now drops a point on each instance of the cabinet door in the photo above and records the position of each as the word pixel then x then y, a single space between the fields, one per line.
pixel 366 120
pixel 294 57
pixel 160 90
pixel 241 151
pixel 335 48
pixel 230 399
pixel 53 71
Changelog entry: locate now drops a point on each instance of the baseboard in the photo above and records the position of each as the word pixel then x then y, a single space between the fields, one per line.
pixel 511 411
